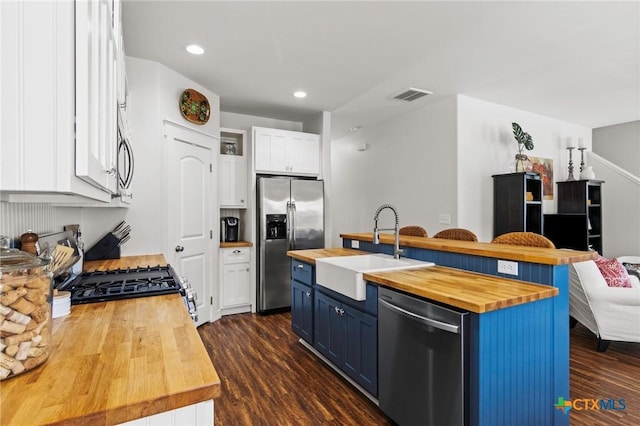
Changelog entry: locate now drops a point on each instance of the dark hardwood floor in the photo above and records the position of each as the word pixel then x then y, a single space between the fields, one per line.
pixel 614 374
pixel 268 378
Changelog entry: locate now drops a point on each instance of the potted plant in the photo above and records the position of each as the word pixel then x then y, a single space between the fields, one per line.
pixel 524 141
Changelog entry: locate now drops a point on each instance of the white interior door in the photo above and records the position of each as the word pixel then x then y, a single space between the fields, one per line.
pixel 191 179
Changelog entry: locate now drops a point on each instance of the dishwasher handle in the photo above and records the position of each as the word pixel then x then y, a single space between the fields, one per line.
pixel 427 321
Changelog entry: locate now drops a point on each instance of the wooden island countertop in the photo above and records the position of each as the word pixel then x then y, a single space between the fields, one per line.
pixel 113 362
pixel 544 256
pixel 471 291
pixel 311 255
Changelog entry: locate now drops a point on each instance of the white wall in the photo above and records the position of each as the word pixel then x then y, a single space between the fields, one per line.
pixel 619 144
pixel 620 207
pixel 233 120
pixel 486 147
pixel 154 96
pixel 439 160
pixel 17 218
pixel 410 163
pixel 314 124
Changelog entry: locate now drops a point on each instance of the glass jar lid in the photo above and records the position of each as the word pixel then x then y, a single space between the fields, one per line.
pixel 12 259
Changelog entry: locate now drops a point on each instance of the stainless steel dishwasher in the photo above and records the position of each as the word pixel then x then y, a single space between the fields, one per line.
pixel 422 359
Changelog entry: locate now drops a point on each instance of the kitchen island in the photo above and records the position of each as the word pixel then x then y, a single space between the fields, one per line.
pixel 118 361
pixel 519 334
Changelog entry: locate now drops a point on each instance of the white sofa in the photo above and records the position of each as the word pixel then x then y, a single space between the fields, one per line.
pixel 611 313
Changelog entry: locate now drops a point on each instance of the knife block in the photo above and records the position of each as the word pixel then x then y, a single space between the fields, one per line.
pixel 106 248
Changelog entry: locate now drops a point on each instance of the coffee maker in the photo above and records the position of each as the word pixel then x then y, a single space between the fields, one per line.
pixel 229 229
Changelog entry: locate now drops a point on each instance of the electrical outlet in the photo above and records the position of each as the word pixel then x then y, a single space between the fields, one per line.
pixel 506 267
pixel 355 244
pixel 445 219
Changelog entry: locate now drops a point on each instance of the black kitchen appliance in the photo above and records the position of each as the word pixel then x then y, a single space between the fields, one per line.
pixel 230 229
pixel 117 284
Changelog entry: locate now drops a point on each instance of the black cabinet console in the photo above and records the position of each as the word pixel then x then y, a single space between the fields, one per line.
pixel 517 203
pixel 578 224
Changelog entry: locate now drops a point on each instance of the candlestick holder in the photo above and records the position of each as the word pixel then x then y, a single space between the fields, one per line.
pixel 581 149
pixel 570 177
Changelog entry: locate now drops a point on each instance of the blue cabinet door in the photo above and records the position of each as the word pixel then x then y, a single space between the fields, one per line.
pixel 361 349
pixel 302 310
pixel 329 328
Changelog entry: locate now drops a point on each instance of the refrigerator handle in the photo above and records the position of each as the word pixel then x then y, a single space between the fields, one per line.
pixel 289 231
pixel 293 225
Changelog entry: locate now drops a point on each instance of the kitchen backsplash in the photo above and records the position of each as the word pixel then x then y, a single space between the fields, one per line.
pixel 16 218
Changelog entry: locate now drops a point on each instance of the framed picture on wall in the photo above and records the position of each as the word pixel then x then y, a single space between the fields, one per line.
pixel 544 167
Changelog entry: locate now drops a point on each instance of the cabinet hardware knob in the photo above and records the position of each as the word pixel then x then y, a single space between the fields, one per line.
pixel 308 293
pixel 236 251
pixel 179 249
pixel 300 266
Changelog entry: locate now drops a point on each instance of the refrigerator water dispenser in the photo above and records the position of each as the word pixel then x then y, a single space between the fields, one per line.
pixel 276 227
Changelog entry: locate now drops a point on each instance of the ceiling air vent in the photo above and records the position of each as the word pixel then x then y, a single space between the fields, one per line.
pixel 411 94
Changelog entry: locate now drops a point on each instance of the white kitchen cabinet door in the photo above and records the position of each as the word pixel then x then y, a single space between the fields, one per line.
pixel 270 151
pixel 37 137
pixel 303 153
pixel 96 102
pixel 200 414
pixel 286 152
pixel 235 280
pixel 232 170
pixel 235 285
pixel 232 181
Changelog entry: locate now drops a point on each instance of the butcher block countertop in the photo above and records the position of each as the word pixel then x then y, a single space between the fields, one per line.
pixel 543 256
pixel 116 361
pixel 471 291
pixel 311 255
pixel 236 244
pixel 474 292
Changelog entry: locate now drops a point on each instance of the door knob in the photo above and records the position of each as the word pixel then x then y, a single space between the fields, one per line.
pixel 179 249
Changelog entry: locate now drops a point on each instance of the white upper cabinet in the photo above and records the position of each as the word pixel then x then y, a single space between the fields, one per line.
pixel 286 152
pixel 37 143
pixel 303 153
pixel 232 169
pixel 96 93
pixel 269 150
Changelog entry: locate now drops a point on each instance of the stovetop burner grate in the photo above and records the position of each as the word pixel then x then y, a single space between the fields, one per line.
pixel 101 286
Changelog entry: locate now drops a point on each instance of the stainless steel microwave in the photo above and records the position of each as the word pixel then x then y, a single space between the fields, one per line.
pixel 125 162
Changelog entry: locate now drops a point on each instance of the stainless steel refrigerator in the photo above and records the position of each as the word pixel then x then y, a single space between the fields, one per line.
pixel 290 217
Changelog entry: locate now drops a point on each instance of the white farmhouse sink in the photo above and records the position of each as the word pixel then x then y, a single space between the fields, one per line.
pixel 344 274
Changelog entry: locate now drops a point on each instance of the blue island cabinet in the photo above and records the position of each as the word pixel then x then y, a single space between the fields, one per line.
pixel 348 337
pixel 302 295
pixel 518 356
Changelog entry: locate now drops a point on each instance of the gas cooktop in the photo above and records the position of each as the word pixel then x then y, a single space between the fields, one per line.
pixel 102 286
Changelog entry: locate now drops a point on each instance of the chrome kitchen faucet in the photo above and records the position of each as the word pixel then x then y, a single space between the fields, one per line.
pixel 396 230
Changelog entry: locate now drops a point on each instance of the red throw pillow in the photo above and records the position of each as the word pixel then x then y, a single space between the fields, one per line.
pixel 613 272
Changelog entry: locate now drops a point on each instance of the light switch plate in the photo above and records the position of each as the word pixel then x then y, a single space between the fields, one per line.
pixel 445 219
pixel 355 244
pixel 506 267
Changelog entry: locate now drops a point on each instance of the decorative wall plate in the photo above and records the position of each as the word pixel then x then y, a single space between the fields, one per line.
pixel 194 106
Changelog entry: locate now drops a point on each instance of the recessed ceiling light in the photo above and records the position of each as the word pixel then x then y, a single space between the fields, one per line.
pixel 194 49
pixel 300 94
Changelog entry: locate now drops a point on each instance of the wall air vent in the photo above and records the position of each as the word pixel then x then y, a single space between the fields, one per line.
pixel 410 94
